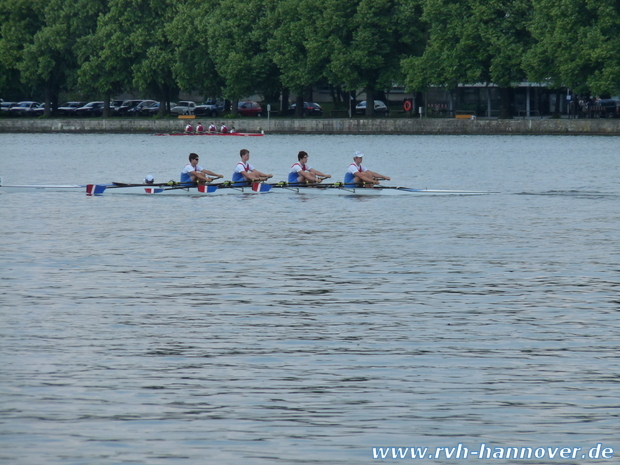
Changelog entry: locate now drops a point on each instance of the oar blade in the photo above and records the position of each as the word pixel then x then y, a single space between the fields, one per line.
pixel 95 189
pixel 205 189
pixel 261 187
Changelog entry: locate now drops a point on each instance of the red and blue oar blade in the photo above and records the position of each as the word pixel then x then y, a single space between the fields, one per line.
pixel 261 187
pixel 95 189
pixel 153 190
pixel 206 189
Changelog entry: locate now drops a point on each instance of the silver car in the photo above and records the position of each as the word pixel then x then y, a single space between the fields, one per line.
pixel 380 108
pixel 24 108
pixel 183 108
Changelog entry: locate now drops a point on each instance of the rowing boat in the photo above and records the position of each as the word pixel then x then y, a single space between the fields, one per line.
pixel 229 187
pixel 242 134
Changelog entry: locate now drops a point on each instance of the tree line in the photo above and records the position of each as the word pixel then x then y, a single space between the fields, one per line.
pixel 232 49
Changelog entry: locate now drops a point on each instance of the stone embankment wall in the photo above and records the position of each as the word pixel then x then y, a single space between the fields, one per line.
pixel 324 126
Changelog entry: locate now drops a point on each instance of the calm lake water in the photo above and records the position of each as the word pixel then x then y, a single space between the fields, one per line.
pixel 283 329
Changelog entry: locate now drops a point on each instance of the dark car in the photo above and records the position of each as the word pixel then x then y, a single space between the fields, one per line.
pixel 126 106
pixel 4 107
pixel 149 109
pixel 68 108
pixel 250 109
pixel 137 110
pixel 610 107
pixel 24 108
pixel 209 108
pixel 115 105
pixel 310 108
pixel 90 109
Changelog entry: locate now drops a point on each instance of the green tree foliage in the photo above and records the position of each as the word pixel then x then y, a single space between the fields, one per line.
pixel 153 67
pixel 193 67
pixel 577 45
pixel 293 49
pixel 106 55
pixel 130 49
pixel 471 41
pixel 49 60
pixel 238 34
pixel 232 49
pixel 20 20
pixel 364 41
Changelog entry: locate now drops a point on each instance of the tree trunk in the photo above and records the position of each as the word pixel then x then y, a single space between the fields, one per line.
pixel 558 96
pixel 106 104
pixel 48 99
pixel 284 101
pixel 505 106
pixel 370 102
pixel 299 106
pixel 164 103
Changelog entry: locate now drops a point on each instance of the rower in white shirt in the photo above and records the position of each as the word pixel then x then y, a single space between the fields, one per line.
pixel 359 174
pixel 246 173
pixel 196 173
pixel 301 172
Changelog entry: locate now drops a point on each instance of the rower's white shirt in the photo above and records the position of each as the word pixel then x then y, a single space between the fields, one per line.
pixel 355 168
pixel 189 168
pixel 296 168
pixel 241 167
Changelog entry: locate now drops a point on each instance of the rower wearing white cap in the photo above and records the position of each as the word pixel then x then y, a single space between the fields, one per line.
pixel 149 179
pixel 359 174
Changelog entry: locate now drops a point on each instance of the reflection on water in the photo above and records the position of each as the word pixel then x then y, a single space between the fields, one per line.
pixel 285 329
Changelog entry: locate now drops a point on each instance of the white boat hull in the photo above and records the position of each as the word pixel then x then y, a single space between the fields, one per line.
pixel 211 190
pixel 42 188
pixel 280 189
pixel 336 190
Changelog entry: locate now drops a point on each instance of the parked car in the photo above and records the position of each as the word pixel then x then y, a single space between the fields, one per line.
pixel 184 107
pixel 4 107
pixel 611 108
pixel 209 108
pixel 24 108
pixel 380 108
pixel 127 106
pixel 310 108
pixel 90 109
pixel 249 109
pixel 115 106
pixel 137 110
pixel 39 111
pixel 68 108
pixel 149 109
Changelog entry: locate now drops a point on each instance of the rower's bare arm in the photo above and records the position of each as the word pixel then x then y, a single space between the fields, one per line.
pixel 252 175
pixel 201 177
pixel 318 173
pixel 308 176
pixel 379 176
pixel 211 173
pixel 262 175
